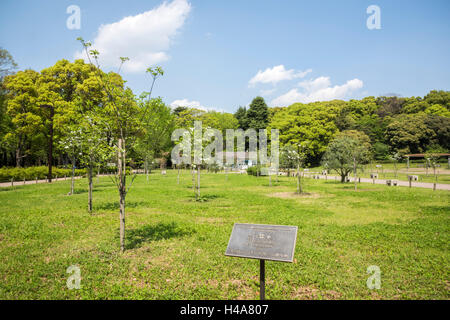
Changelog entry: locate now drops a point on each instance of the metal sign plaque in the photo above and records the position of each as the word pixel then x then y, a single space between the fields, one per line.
pixel 262 241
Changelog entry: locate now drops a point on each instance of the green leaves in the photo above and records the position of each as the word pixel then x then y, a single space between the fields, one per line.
pixel 155 72
pixel 310 124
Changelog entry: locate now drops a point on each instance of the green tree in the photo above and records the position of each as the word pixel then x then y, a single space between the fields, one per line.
pixel 7 67
pixel 312 122
pixel 241 117
pixel 409 133
pixel 71 144
pixel 7 63
pixel 26 116
pixel 440 97
pixel 257 116
pixel 158 123
pixel 441 128
pixel 293 157
pixel 432 156
pixel 123 112
pixel 344 154
pixel 438 110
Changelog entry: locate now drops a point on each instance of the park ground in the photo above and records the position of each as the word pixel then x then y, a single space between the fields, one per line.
pixel 175 245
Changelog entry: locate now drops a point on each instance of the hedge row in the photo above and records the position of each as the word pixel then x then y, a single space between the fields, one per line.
pixel 31 173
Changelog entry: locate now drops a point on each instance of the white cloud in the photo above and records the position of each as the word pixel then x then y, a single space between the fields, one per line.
pixel 267 92
pixel 192 104
pixel 318 89
pixel 275 75
pixel 316 84
pixel 144 38
pixel 186 103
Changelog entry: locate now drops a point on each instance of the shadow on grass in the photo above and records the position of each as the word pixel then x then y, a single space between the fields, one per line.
pixel 204 198
pixel 79 191
pixel 435 210
pixel 8 188
pixel 112 206
pixel 136 237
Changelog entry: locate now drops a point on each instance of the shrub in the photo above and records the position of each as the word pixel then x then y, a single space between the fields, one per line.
pixel 31 173
pixel 254 171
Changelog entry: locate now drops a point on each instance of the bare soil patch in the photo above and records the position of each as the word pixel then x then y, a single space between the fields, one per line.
pixel 311 293
pixel 294 195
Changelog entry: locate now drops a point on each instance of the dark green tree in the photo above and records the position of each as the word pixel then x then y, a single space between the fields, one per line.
pixel 409 133
pixel 241 117
pixel 441 127
pixel 258 114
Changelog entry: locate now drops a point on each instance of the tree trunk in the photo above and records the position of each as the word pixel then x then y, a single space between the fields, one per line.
pixel 193 179
pixel 395 170
pixel 435 178
pixel 178 178
pixel 121 166
pixel 198 181
pixel 354 173
pixel 72 185
pixel 146 168
pixel 90 172
pixel 299 183
pixel 18 157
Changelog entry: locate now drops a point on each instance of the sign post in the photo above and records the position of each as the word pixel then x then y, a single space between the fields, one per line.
pixel 262 280
pixel 263 242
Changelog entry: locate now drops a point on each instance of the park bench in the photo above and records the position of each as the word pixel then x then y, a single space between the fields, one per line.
pixel 391 182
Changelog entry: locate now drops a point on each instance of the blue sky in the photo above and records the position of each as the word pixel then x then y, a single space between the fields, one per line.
pixel 221 54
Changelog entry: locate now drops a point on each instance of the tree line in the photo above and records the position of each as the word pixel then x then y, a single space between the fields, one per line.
pixel 390 125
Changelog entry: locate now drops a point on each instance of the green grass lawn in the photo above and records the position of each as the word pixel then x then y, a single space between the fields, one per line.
pixel 175 245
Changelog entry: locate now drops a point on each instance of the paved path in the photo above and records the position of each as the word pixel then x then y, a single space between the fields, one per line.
pixel 415 184
pixel 21 183
pixel 427 185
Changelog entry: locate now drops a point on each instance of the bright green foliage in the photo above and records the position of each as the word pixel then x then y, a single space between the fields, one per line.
pixel 440 97
pixel 438 110
pixel 311 125
pixel 26 117
pixel 158 122
pixel 219 120
pixel 185 117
